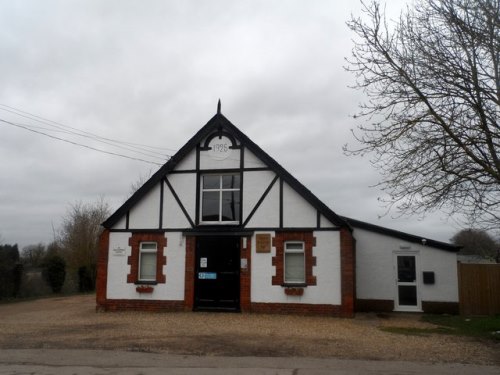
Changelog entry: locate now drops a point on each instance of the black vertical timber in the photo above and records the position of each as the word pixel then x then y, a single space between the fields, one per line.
pixel 160 221
pixel 318 219
pixel 281 203
pixel 198 177
pixel 242 167
pixel 127 220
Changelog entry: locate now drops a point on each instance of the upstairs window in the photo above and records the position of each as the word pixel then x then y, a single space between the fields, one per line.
pixel 220 198
pixel 295 271
pixel 147 261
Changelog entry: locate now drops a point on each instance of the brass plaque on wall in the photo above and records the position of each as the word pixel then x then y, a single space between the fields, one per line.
pixel 263 243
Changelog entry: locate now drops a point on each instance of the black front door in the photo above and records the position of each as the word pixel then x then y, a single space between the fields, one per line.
pixel 217 273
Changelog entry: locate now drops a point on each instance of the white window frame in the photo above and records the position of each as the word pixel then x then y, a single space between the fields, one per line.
pixel 147 251
pixel 294 251
pixel 220 190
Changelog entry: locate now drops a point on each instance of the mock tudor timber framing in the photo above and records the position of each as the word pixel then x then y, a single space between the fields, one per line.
pixel 220 122
pixel 334 233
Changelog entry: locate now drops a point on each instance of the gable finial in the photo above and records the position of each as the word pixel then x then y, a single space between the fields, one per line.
pixel 218 107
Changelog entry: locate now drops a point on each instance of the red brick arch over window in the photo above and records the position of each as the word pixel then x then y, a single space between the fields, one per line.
pixel 278 261
pixel 133 260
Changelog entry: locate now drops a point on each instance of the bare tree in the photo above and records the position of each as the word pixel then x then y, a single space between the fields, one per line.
pixel 32 255
pixel 136 185
pixel 79 238
pixel 432 79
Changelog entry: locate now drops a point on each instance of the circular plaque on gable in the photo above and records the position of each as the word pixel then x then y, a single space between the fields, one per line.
pixel 220 148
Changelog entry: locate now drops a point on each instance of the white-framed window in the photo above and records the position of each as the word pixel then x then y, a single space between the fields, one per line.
pixel 295 265
pixel 147 261
pixel 220 198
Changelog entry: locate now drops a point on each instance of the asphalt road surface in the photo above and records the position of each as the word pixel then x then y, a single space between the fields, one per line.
pixel 102 362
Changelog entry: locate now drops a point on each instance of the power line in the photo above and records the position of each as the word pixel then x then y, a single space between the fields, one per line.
pixel 129 146
pixel 57 127
pixel 76 143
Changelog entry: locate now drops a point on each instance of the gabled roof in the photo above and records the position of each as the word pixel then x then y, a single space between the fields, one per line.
pixel 401 235
pixel 220 122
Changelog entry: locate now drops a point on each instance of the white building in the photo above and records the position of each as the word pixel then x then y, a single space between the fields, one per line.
pixel 223 226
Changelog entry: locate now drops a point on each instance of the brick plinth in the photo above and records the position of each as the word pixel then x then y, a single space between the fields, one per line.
pixel 296 308
pixel 142 305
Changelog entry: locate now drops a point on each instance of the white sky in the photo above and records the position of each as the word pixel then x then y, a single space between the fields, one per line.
pixel 151 72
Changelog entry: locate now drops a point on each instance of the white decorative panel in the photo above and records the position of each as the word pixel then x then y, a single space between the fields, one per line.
pixel 146 212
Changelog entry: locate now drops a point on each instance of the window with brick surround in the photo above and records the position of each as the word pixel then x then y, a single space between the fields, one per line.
pixel 294 267
pixel 283 251
pixel 147 261
pixel 147 258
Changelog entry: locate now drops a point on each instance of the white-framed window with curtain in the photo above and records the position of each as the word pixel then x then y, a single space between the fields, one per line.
pixel 295 265
pixel 147 261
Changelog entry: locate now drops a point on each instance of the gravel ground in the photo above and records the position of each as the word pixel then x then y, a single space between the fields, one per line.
pixel 72 323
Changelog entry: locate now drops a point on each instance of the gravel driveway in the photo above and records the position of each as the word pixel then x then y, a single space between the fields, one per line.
pixel 71 322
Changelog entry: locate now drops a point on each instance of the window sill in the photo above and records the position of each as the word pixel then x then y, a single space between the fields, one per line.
pixel 145 282
pixel 294 285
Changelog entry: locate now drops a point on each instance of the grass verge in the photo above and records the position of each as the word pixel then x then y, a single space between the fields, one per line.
pixel 479 327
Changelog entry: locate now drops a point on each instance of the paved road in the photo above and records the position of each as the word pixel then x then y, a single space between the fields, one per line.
pixel 86 362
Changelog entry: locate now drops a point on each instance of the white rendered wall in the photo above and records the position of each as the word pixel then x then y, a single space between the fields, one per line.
pixel 325 223
pixel 184 185
pixel 444 265
pixel 118 269
pixel 252 161
pixel 268 213
pixel 376 272
pixel 146 212
pixel 255 184
pixel 327 272
pixel 188 163
pixel 297 212
pixel 121 224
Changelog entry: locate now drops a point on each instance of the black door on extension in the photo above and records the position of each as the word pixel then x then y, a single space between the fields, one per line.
pixel 217 276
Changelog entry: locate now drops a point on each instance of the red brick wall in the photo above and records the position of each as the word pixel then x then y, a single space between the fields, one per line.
pixel 189 273
pixel 348 273
pixel 102 269
pixel 245 275
pixel 133 260
pixel 296 308
pixel 278 261
pixel 142 305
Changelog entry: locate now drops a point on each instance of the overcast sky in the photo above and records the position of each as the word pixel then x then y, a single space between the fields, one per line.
pixel 151 72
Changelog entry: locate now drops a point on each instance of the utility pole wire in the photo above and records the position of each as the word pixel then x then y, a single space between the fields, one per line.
pixel 79 132
pixel 76 143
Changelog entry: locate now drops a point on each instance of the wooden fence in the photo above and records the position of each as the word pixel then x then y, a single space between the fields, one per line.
pixel 479 289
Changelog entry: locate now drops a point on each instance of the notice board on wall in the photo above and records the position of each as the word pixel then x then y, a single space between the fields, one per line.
pixel 263 242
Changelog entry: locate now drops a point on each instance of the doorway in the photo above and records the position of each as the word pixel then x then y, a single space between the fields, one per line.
pixel 217 274
pixel 407 298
